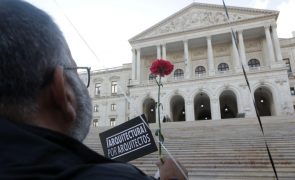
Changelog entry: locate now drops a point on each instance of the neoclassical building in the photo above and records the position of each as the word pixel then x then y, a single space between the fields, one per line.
pixel 207 82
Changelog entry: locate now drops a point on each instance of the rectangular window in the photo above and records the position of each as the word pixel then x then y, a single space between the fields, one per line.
pixel 287 62
pixel 95 108
pixel 129 81
pixel 292 90
pixel 114 87
pixel 95 123
pixel 97 89
pixel 113 107
pixel 112 122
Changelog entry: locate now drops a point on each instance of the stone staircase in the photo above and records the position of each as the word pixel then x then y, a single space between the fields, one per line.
pixel 224 149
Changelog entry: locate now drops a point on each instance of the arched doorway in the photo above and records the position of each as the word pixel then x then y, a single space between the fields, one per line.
pixel 177 108
pixel 149 110
pixel 264 101
pixel 202 107
pixel 228 104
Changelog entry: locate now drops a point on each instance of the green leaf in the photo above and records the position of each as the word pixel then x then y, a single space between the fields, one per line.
pixel 161 137
pixel 157 132
pixel 160 104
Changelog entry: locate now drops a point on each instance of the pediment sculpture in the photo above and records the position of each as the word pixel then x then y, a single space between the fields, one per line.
pixel 194 19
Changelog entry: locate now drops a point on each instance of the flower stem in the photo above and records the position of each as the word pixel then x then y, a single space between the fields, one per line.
pixel 159 119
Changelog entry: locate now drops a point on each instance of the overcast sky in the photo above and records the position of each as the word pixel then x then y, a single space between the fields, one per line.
pixel 106 25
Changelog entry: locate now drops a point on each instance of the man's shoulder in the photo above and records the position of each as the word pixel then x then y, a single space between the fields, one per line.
pixel 66 158
pixel 113 170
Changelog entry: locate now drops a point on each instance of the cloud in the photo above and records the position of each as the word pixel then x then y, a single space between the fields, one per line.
pixel 285 22
pixel 261 4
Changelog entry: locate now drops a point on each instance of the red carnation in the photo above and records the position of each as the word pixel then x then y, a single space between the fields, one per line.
pixel 161 67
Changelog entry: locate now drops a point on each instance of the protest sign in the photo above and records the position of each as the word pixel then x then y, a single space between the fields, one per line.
pixel 128 141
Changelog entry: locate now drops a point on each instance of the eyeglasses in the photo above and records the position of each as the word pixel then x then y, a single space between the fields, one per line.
pixel 83 72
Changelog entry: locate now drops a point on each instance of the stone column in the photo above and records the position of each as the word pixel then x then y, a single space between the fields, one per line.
pixel 236 58
pixel 158 52
pixel 242 49
pixel 189 110
pixel 138 68
pixel 133 64
pixel 187 61
pixel 164 79
pixel 269 46
pixel 164 51
pixel 210 57
pixel 276 43
pixel 215 109
pixel 132 107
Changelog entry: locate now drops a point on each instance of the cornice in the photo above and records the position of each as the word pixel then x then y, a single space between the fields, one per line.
pixel 215 6
pixel 202 29
pixel 110 70
pixel 236 8
pixel 287 42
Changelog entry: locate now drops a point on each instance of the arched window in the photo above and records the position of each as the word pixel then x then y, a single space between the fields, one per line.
pixel 200 70
pixel 223 67
pixel 152 77
pixel 253 63
pixel 178 74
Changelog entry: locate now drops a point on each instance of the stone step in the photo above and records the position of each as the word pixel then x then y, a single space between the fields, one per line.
pixel 218 166
pixel 241 174
pixel 223 149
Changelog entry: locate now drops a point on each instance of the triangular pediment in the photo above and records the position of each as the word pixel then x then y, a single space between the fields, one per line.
pixel 199 15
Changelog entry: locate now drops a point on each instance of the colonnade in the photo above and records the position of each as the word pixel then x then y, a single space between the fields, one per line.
pixel 273 52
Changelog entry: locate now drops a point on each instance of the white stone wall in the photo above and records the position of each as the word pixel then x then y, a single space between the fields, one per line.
pixel 277 82
pixel 288 51
pixel 105 99
pixel 191 48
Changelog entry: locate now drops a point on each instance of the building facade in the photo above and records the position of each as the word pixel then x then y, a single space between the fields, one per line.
pixel 207 82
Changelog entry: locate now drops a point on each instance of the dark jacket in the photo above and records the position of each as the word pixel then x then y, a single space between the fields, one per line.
pixel 28 152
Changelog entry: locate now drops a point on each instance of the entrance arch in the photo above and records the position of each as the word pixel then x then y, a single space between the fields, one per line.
pixel 228 104
pixel 177 108
pixel 264 101
pixel 202 107
pixel 149 110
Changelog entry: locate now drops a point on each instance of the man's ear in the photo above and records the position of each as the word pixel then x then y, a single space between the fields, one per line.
pixel 62 95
